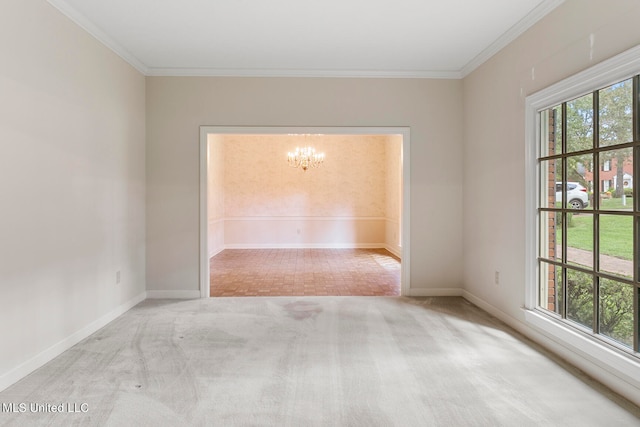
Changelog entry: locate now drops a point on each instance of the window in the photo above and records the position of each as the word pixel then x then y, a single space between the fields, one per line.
pixel 588 233
pixel 607 184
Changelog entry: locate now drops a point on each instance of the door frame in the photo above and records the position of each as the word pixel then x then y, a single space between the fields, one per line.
pixel 205 131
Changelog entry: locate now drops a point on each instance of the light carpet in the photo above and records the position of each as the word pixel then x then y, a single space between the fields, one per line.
pixel 312 361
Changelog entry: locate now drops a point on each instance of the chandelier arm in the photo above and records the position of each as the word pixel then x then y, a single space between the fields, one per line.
pixel 305 158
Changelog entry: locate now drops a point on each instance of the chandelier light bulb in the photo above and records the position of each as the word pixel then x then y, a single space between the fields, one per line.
pixel 305 158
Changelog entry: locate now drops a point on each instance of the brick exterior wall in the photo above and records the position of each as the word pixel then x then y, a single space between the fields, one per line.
pixel 551 180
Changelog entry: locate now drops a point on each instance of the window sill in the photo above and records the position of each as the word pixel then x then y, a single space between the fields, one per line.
pixel 624 366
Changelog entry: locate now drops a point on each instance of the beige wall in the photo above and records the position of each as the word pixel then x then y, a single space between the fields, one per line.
pixel 576 35
pixel 178 106
pixel 72 180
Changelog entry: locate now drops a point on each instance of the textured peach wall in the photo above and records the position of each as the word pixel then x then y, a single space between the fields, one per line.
pixel 267 202
pixel 259 182
pixel 353 199
pixel 393 200
pixel 215 196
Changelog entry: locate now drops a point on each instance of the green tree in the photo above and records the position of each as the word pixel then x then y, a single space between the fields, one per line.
pixel 616 126
pixel 579 137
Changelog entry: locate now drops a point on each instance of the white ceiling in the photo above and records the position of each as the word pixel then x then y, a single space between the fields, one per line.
pixel 378 38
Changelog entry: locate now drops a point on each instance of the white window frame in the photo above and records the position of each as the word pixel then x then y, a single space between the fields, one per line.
pixel 621 67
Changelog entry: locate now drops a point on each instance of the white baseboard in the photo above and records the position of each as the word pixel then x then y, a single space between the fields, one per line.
pixel 619 373
pixel 304 218
pixel 435 292
pixel 216 251
pixel 155 294
pixel 491 309
pixel 394 250
pixel 306 246
pixel 55 350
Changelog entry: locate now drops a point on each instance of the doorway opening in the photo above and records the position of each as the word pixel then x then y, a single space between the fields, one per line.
pixel 353 209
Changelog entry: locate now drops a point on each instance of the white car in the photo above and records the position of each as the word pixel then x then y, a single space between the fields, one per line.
pixel 577 195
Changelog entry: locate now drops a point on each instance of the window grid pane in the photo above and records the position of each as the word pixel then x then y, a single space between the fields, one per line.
pixel 615 113
pixel 580 298
pixel 616 311
pixel 579 123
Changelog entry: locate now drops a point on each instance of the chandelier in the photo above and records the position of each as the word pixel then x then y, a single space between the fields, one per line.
pixel 305 158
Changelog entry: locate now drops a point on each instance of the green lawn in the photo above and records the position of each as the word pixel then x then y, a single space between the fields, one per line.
pixel 616 234
pixel 616 204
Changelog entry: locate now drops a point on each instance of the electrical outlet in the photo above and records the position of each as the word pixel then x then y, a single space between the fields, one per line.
pixel 117 277
pixel 497 278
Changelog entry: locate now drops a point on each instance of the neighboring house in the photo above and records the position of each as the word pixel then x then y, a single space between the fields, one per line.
pixel 609 175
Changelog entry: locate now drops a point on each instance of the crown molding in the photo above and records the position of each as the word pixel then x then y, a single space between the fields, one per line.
pixel 219 72
pixel 516 30
pixel 84 23
pixel 511 34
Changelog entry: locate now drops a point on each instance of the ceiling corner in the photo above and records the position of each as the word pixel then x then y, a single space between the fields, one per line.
pixel 82 21
pixel 511 34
